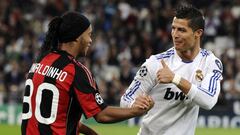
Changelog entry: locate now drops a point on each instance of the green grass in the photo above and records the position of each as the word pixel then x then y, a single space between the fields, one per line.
pixel 113 129
pixel 217 131
pixel 10 130
pixel 116 129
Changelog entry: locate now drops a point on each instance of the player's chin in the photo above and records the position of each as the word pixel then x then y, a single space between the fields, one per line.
pixel 178 47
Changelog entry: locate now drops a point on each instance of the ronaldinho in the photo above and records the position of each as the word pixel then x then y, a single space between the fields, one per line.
pixel 48 71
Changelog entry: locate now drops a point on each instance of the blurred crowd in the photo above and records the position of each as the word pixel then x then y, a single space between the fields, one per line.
pixel 125 33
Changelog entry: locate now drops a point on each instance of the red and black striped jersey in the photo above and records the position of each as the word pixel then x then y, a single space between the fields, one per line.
pixel 59 89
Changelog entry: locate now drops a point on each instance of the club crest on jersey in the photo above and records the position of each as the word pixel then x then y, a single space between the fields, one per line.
pixel 98 98
pixel 199 75
pixel 143 71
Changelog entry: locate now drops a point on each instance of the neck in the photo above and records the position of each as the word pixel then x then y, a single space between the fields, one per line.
pixel 189 55
pixel 69 48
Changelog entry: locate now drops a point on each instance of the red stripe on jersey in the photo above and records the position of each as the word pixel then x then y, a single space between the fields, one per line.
pixel 88 103
pixel 37 80
pixel 59 126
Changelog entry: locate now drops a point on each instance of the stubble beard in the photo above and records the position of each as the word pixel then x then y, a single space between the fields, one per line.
pixel 83 53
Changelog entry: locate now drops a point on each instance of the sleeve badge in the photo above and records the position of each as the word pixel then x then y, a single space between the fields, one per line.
pixel 143 71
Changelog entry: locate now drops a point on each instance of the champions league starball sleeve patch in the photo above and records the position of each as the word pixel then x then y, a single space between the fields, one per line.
pixel 219 65
pixel 143 71
pixel 99 99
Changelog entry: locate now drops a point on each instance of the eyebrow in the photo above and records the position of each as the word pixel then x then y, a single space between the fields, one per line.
pixel 178 27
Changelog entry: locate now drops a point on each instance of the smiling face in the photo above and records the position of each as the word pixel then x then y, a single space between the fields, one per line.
pixel 184 38
pixel 84 41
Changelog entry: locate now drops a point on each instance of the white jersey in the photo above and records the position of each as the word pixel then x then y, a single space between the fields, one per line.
pixel 175 113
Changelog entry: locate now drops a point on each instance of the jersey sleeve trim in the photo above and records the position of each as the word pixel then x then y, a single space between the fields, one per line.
pixel 213 83
pixel 128 96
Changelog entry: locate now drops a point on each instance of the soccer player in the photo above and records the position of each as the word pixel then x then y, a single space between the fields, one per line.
pixel 59 89
pixel 180 80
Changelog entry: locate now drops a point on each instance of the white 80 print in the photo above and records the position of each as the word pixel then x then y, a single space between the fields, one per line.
pixel 44 87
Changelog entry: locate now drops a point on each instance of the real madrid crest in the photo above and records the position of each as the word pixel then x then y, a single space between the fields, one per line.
pixel 199 75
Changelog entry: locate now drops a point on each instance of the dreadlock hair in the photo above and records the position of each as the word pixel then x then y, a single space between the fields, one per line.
pixel 195 17
pixel 63 29
pixel 51 39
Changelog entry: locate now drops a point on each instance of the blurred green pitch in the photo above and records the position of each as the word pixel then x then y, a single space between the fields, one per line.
pixel 119 129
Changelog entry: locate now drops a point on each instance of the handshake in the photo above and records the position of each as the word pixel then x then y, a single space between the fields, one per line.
pixel 142 104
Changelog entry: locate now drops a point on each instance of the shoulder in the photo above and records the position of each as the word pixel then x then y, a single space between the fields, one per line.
pixel 84 80
pixel 212 59
pixel 164 55
pixel 205 53
pixel 167 54
pixel 153 62
pixel 209 55
pixel 82 68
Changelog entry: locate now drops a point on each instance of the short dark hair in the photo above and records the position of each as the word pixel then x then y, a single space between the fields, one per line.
pixel 194 15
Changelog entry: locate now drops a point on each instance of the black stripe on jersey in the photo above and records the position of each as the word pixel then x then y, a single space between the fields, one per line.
pixel 81 80
pixel 41 56
pixel 44 129
pixel 27 93
pixel 26 107
pixel 23 126
pixel 83 84
pixel 60 63
pixel 74 114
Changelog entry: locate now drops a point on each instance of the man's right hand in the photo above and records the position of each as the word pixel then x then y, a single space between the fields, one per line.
pixel 142 104
pixel 112 114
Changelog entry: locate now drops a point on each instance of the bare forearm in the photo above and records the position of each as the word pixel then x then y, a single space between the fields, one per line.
pixel 116 114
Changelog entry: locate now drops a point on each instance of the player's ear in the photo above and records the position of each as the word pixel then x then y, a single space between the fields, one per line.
pixel 198 32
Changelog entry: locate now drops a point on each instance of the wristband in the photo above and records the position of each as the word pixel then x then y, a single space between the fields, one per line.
pixel 176 79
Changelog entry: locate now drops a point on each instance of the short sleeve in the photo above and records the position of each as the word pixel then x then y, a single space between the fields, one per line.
pixel 87 93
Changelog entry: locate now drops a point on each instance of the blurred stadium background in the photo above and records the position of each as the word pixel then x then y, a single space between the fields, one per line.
pixel 126 32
